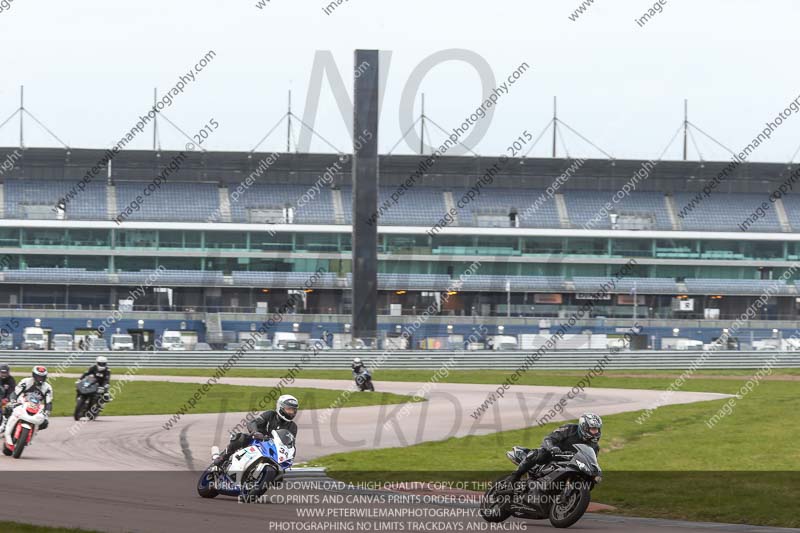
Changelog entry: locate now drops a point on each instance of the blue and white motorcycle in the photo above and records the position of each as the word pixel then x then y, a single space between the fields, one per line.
pixel 251 471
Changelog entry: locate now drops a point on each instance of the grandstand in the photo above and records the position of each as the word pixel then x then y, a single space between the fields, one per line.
pixel 221 251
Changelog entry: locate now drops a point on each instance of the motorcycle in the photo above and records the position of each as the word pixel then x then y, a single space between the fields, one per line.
pixel 250 472
pixel 559 490
pixel 364 380
pixel 87 401
pixel 23 423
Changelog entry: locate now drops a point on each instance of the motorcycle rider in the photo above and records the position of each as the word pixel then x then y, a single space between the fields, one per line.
pixel 586 431
pixel 357 366
pixel 263 425
pixel 7 386
pixel 36 383
pixel 102 374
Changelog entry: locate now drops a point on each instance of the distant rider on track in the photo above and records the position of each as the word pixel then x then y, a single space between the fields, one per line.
pixel 102 374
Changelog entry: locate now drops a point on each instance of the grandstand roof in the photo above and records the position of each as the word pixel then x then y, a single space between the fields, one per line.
pixel 455 171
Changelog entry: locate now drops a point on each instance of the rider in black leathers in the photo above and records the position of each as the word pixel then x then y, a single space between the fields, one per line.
pixel 7 386
pixel 587 431
pixel 263 425
pixel 102 374
pixel 7 382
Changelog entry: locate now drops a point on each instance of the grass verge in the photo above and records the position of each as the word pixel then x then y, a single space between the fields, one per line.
pixel 643 379
pixel 158 397
pixel 16 527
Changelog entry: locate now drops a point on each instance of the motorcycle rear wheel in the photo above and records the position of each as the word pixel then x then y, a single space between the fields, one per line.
pixel 565 514
pixel 22 441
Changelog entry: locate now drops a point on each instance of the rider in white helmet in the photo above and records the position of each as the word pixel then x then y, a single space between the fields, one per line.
pixel 102 374
pixel 262 426
pixel 37 383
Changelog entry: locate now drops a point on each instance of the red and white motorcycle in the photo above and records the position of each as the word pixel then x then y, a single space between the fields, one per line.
pixel 23 423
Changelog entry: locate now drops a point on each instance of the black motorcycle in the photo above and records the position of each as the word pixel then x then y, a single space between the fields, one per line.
pixel 559 490
pixel 364 380
pixel 87 401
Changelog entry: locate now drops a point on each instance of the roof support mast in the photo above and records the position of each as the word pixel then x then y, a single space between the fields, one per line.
pixel 289 124
pixel 422 128
pixel 685 126
pixel 155 118
pixel 555 124
pixel 21 113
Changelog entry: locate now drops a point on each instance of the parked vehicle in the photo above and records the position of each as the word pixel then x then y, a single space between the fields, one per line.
pixel 62 342
pixel 504 342
pixel 93 343
pixel 171 340
pixel 284 340
pixel 34 339
pixel 688 344
pixel 263 345
pixel 318 345
pixel 202 347
pixel 121 341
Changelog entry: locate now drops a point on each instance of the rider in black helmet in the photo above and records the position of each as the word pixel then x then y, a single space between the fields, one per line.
pixel 587 431
pixel 7 386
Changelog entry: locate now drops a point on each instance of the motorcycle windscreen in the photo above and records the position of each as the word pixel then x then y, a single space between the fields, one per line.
pixel 586 455
pixel 286 437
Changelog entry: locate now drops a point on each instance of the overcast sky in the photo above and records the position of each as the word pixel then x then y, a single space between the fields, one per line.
pixel 89 69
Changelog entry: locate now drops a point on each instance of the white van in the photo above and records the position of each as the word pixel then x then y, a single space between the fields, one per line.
pixel 62 342
pixel 93 343
pixel 34 339
pixel 121 341
pixel 171 340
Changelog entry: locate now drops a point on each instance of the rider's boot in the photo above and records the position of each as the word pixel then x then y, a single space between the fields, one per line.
pixel 220 458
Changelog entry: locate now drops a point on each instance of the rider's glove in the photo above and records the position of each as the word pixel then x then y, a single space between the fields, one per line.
pixel 555 450
pixel 258 435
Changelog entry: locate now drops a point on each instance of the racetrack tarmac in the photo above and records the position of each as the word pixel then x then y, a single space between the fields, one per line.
pixel 166 502
pixel 128 473
pixel 141 443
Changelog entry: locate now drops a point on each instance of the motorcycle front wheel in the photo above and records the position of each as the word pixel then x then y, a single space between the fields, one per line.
pixel 570 506
pixel 494 507
pixel 22 441
pixel 205 486
pixel 93 410
pixel 79 408
pixel 253 487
